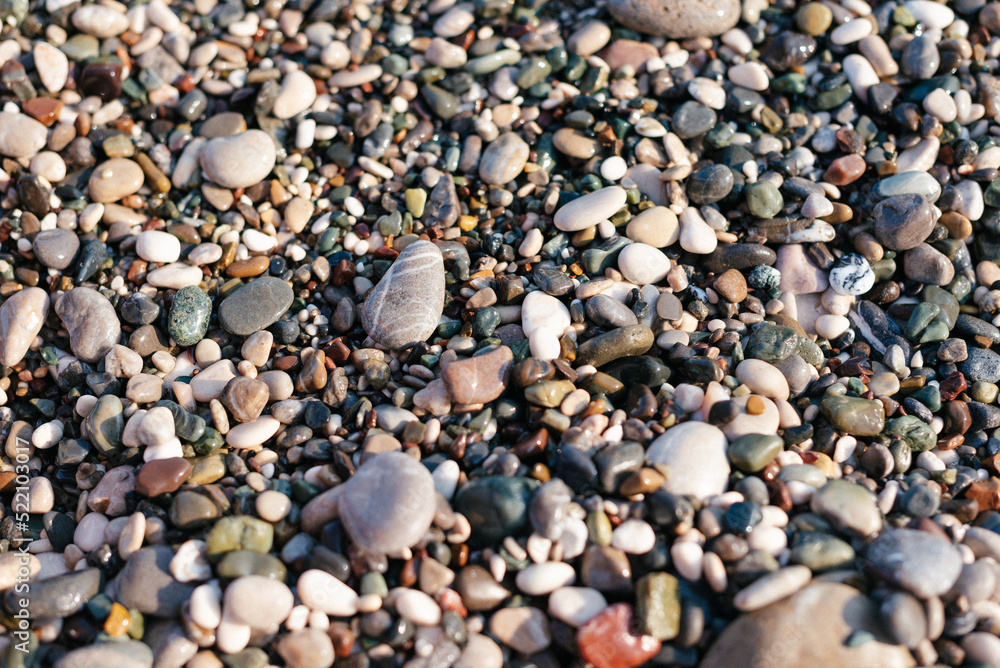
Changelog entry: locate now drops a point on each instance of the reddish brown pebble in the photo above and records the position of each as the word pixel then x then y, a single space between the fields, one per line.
pixel 478 379
pixel 607 640
pixel 986 493
pixel 731 286
pixel 845 170
pixel 162 476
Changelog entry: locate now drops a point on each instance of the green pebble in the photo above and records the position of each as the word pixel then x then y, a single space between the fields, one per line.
pixel 763 199
pixel 917 433
pixel 920 318
pixel 658 605
pixel 752 452
pixel 243 562
pixel 189 316
pixel 239 533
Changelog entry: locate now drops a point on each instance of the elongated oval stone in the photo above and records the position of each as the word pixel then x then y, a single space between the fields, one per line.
pixel 406 305
pixel 91 322
pixel 256 306
pixel 503 159
pixel 189 316
pixel 590 209
pixel 21 318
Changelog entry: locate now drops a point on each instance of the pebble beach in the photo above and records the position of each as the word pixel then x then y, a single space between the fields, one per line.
pixel 499 334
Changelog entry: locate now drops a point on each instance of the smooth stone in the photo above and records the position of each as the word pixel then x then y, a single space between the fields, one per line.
pixel 609 640
pixel 576 606
pixel 307 648
pixel 903 222
pixel 59 596
pixel 258 601
pixel 677 19
pixel 496 507
pixel 21 319
pixel 543 579
pixel 858 417
pixel 523 629
pixel 175 276
pixel 542 311
pixel 91 321
pixel 406 305
pixel 190 314
pixel 920 183
pixel 643 264
pixel 478 379
pixel 850 507
pixel 504 159
pixel 590 209
pixel 784 634
pixel 386 506
pixel 255 306
pixel 926 264
pixel 239 161
pixel 656 226
pixel 122 654
pixel 762 378
pixel 700 471
pixel 56 248
pixel 752 452
pixel 210 383
pixel 162 476
pixel 147 584
pixel 922 563
pixel 100 21
pixel 114 179
pixel 609 312
pixel 618 343
pixel 245 398
pixel 21 136
pixel 158 246
pixel 298 92
pixel 852 275
pixel 981 365
pixel 254 433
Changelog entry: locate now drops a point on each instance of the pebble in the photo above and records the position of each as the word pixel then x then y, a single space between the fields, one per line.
pixel 657 227
pixel 190 314
pixel 607 640
pixel 384 523
pixel 524 629
pixel 100 21
pixel 21 319
pixel 114 179
pixel 478 379
pixel 676 19
pixel 643 264
pixel 91 321
pixel 590 209
pixel 322 592
pixel 504 159
pixel 541 311
pixel 239 161
pixel 255 306
pixel 20 136
pixel 406 305
pixel 298 92
pixel 852 275
pixel 924 564
pixel 699 472
pixel 158 246
pixel 850 507
pixel 903 222
pixel 576 606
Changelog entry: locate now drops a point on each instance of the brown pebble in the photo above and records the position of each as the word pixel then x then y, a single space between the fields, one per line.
pixel 845 170
pixel 254 266
pixel 755 405
pixel 162 476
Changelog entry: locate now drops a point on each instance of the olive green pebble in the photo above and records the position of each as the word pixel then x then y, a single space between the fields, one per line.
pixel 763 199
pixel 813 18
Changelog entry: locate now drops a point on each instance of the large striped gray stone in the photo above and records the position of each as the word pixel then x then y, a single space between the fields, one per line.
pixel 406 305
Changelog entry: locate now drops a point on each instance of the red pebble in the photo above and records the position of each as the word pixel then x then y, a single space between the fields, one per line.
pixel 608 640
